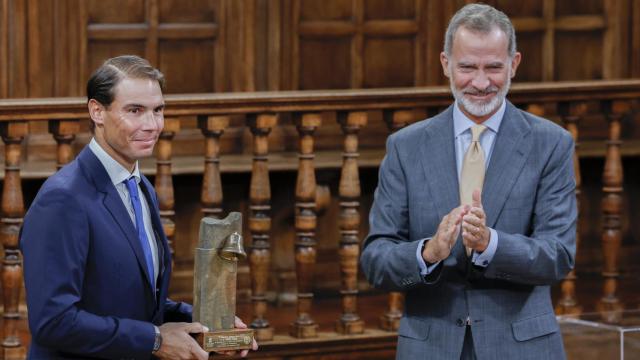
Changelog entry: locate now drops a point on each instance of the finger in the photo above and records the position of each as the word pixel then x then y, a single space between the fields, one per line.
pixel 244 353
pixel 469 239
pixel 476 198
pixel 478 211
pixel 254 345
pixel 470 228
pixel 472 220
pixel 239 324
pixel 197 351
pixel 195 328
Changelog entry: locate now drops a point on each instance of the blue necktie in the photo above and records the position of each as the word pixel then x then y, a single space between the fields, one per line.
pixel 132 186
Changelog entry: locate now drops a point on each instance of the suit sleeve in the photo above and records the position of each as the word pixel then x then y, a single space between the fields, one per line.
pixel 55 243
pixel 389 257
pixel 548 254
pixel 177 311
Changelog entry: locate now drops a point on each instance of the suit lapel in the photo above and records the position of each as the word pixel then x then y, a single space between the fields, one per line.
pixel 113 203
pixel 511 150
pixel 439 162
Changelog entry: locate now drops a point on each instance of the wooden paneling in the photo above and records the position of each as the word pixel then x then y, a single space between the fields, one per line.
pixel 49 47
pixel 634 38
pixel 357 44
pixel 586 44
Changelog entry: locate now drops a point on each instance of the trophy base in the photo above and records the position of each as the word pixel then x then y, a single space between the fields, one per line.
pixel 225 340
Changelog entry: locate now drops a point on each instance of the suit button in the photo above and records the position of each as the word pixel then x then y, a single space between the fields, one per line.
pixel 460 322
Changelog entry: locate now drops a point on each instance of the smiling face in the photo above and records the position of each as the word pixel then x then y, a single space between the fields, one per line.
pixel 479 70
pixel 129 128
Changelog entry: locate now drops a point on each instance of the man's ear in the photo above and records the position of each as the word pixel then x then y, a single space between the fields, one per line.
pixel 515 61
pixel 96 111
pixel 444 60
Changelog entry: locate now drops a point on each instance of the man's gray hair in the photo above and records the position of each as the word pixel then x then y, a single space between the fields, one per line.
pixel 480 18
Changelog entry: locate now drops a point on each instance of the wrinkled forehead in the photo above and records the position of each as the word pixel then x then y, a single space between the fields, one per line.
pixel 469 43
pixel 142 91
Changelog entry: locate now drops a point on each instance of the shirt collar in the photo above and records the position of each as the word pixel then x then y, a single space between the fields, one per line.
pixel 117 172
pixel 462 123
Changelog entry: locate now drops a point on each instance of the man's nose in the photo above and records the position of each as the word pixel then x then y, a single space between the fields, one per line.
pixel 481 81
pixel 151 120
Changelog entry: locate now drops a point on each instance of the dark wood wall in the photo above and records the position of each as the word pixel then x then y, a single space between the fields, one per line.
pixel 49 47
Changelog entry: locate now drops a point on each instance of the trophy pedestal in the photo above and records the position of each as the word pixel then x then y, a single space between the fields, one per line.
pixel 350 327
pixel 225 340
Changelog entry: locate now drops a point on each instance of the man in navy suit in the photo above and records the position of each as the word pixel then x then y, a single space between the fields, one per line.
pixel 474 216
pixel 96 260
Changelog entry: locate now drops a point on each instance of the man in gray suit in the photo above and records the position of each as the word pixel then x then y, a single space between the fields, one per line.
pixel 474 216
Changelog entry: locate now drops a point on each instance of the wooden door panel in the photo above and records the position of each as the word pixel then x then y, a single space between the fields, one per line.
pixel 325 63
pixel 388 62
pixel 578 56
pixel 384 9
pixel 189 63
pixel 116 11
pixel 187 11
pixel 99 51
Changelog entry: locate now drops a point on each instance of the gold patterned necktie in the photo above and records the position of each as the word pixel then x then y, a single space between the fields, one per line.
pixel 472 175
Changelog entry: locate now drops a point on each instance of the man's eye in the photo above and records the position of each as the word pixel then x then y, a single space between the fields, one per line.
pixel 134 110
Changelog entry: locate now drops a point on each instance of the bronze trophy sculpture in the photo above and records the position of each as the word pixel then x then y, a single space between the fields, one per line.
pixel 214 284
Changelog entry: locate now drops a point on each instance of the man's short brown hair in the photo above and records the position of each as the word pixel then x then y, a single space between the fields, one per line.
pixel 103 81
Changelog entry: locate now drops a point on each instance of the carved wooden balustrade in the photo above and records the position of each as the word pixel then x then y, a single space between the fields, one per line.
pixel 343 131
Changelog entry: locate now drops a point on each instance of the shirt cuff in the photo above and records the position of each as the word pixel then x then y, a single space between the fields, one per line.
pixel 424 268
pixel 484 259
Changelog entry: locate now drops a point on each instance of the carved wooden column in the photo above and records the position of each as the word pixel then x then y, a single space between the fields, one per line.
pixel 612 209
pixel 64 132
pixel 350 322
pixel 12 215
pixel 164 178
pixel 260 223
pixel 212 128
pixel 305 223
pixel 568 303
pixel 390 320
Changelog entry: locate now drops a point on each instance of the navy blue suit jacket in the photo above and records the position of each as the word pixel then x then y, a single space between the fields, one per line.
pixel 88 294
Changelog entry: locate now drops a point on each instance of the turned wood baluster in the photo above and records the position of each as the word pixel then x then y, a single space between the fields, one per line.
pixel 390 320
pixel 212 128
pixel 350 322
pixel 64 132
pixel 260 223
pixel 164 179
pixel 609 305
pixel 12 214
pixel 305 223
pixel 568 303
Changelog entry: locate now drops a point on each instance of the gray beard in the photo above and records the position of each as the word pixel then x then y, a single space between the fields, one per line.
pixel 480 109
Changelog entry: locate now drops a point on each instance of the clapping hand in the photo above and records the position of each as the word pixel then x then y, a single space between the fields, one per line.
pixel 475 233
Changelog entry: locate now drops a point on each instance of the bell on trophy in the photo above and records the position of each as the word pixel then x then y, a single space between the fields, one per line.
pixel 233 249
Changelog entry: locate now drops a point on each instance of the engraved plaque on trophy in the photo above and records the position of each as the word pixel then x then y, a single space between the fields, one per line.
pixel 214 284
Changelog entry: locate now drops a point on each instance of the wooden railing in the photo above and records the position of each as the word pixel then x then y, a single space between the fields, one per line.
pixel 373 112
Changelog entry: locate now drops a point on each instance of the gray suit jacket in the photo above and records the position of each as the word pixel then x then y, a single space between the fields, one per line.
pixel 529 200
